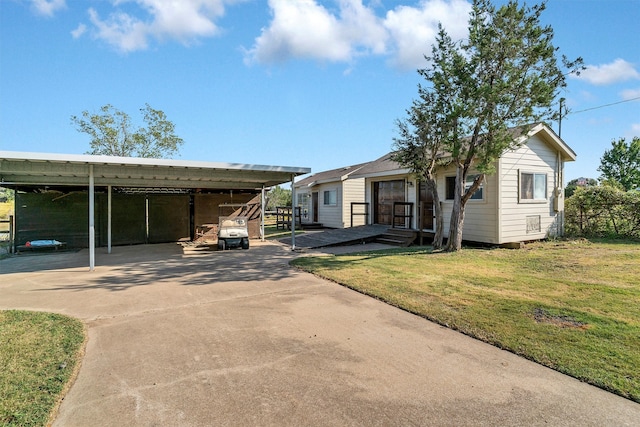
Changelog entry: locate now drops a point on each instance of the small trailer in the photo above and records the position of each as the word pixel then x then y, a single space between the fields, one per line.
pixel 233 233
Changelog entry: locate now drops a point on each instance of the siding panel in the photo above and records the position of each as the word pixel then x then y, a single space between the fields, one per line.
pixel 536 157
pixel 330 215
pixel 353 192
pixel 481 219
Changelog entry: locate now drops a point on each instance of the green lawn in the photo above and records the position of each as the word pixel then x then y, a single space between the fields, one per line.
pixel 571 305
pixel 271 230
pixel 39 354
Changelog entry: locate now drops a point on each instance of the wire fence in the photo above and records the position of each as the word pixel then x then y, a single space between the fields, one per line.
pixel 603 212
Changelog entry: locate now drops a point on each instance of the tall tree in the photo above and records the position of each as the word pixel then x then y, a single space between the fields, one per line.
pixel 112 133
pixel 574 184
pixel 491 88
pixel 277 197
pixel 419 147
pixel 622 163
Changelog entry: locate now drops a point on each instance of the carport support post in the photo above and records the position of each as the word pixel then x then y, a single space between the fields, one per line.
pixel 262 208
pixel 293 213
pixel 92 226
pixel 108 219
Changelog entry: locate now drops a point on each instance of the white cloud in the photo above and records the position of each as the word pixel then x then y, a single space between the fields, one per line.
pixel 303 28
pixel 307 29
pixel 79 31
pixel 121 30
pixel 414 29
pixel 184 20
pixel 47 7
pixel 630 94
pixel 290 34
pixel 615 72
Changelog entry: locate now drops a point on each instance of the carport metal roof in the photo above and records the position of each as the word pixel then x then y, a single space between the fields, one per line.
pixel 21 168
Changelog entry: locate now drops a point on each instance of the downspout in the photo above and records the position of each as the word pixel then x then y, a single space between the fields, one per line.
pixel 92 227
pixel 498 202
pixel 560 196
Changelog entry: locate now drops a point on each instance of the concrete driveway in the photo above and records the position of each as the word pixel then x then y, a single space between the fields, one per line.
pixel 181 337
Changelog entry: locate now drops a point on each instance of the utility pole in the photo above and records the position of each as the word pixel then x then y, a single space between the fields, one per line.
pixel 560 117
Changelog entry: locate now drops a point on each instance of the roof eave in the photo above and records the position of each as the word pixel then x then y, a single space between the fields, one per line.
pixel 142 161
pixel 553 139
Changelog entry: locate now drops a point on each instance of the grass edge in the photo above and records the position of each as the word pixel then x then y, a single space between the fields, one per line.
pixel 78 358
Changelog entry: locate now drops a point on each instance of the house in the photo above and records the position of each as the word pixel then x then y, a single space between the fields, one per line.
pixel 326 197
pixel 522 201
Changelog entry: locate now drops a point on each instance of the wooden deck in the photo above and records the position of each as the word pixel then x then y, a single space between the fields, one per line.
pixel 338 237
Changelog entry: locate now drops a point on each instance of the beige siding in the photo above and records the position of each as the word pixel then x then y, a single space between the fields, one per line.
pixel 353 190
pixel 535 157
pixel 481 219
pixel 330 215
pixel 500 217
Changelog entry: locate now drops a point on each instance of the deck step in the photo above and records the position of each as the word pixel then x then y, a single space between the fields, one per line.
pixel 398 237
pixel 312 226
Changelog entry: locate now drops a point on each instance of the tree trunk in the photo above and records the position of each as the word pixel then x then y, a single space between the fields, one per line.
pixel 460 200
pixel 454 241
pixel 432 186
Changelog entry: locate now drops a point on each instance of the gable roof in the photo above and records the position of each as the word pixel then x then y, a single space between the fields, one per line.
pixel 333 175
pixel 550 137
pixel 384 166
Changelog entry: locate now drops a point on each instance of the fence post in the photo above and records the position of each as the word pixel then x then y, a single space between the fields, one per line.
pixel 11 238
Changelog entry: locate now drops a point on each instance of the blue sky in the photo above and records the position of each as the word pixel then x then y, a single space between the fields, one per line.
pixel 308 83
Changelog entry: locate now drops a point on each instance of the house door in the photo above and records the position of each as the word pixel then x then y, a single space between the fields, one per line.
pixel 385 193
pixel 314 206
pixel 426 204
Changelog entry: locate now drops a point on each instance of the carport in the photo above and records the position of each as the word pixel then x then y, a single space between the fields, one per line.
pixel 88 171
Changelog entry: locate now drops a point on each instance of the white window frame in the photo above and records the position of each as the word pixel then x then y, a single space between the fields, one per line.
pixel 468 183
pixel 536 197
pixel 332 201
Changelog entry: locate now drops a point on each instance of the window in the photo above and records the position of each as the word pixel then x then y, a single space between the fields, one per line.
pixel 303 199
pixel 331 197
pixel 533 186
pixel 303 203
pixel 451 187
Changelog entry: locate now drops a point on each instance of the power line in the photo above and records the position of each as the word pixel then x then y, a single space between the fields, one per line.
pixel 602 106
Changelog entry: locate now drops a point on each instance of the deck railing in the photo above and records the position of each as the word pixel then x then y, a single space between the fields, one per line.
pixel 364 213
pixel 283 217
pixel 402 218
